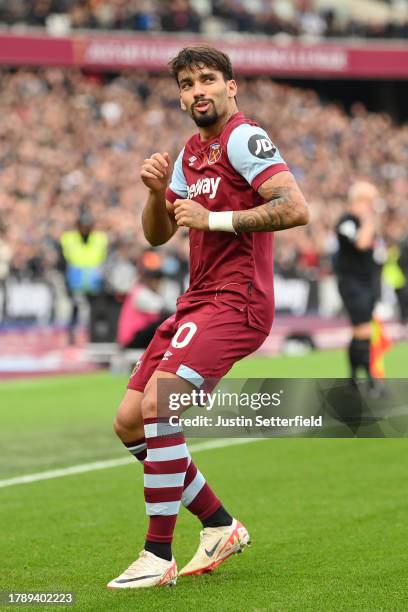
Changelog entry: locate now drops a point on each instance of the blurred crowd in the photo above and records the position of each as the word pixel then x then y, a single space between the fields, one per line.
pixel 316 18
pixel 70 141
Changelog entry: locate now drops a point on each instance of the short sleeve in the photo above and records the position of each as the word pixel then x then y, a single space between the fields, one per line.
pixel 253 155
pixel 178 187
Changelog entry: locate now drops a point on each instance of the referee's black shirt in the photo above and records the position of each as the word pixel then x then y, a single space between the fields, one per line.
pixel 349 260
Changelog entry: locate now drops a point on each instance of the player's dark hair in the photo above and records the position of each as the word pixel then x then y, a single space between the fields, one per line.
pixel 191 57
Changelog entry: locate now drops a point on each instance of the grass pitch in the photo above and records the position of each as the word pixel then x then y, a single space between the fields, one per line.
pixel 328 518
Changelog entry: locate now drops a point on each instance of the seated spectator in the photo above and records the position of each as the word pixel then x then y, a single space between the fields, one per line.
pixel 293 17
pixel 5 254
pixel 178 16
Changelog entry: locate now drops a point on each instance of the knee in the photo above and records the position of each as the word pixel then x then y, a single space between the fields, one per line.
pixel 128 423
pixel 127 432
pixel 362 331
pixel 149 407
pixel 120 428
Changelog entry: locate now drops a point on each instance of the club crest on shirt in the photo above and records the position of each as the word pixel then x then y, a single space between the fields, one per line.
pixel 214 153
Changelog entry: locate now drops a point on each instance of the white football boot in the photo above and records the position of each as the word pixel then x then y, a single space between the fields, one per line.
pixel 216 545
pixel 147 571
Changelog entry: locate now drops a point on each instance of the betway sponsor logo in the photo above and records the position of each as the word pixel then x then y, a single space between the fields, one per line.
pixel 205 185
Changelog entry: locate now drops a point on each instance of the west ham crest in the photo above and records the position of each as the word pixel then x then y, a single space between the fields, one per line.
pixel 214 153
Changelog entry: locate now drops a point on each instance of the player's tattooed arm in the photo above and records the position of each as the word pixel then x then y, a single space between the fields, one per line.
pixel 284 207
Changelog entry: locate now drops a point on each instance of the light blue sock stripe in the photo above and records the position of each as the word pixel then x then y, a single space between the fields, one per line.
pixel 163 508
pixel 137 449
pixel 158 481
pixel 193 489
pixel 153 430
pixel 167 453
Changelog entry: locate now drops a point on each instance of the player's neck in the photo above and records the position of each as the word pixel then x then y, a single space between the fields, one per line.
pixel 211 131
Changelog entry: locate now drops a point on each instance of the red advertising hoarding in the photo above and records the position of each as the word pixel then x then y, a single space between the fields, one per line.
pixel 323 59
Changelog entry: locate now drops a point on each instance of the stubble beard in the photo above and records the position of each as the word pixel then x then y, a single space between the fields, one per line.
pixel 210 118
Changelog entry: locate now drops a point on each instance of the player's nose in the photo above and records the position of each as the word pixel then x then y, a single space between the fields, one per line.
pixel 198 90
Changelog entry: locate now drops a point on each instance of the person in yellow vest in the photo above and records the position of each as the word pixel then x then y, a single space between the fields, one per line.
pixel 402 290
pixel 84 251
pixel 395 272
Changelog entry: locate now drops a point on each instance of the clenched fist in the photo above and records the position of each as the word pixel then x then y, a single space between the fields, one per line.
pixel 155 172
pixel 191 214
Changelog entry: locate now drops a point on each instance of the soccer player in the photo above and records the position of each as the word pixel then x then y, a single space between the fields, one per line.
pixel 232 189
pixel 358 267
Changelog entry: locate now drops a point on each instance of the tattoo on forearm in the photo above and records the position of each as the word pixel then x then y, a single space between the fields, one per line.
pixel 281 212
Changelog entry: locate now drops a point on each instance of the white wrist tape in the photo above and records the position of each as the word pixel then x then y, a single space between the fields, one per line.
pixel 221 222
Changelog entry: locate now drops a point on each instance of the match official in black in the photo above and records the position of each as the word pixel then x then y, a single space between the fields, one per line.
pixel 358 268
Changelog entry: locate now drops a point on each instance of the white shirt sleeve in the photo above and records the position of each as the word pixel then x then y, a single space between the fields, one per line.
pixel 251 151
pixel 348 229
pixel 178 183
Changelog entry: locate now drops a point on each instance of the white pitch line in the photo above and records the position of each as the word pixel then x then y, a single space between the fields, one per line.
pixel 111 463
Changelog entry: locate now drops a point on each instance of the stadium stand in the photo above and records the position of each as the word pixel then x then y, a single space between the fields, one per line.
pixel 314 18
pixel 68 138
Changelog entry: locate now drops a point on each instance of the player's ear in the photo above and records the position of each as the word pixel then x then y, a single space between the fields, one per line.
pixel 182 105
pixel 232 88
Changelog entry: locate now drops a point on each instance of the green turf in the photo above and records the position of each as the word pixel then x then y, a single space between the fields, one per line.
pixel 318 364
pixel 328 518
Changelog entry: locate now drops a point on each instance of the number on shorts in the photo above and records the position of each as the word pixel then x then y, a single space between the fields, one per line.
pixel 192 328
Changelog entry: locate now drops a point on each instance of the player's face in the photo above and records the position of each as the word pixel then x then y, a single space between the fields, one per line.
pixel 205 94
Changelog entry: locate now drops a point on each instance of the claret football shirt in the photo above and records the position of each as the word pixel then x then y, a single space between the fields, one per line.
pixel 222 174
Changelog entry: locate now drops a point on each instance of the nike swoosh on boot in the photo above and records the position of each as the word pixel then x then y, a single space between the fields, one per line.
pixel 212 550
